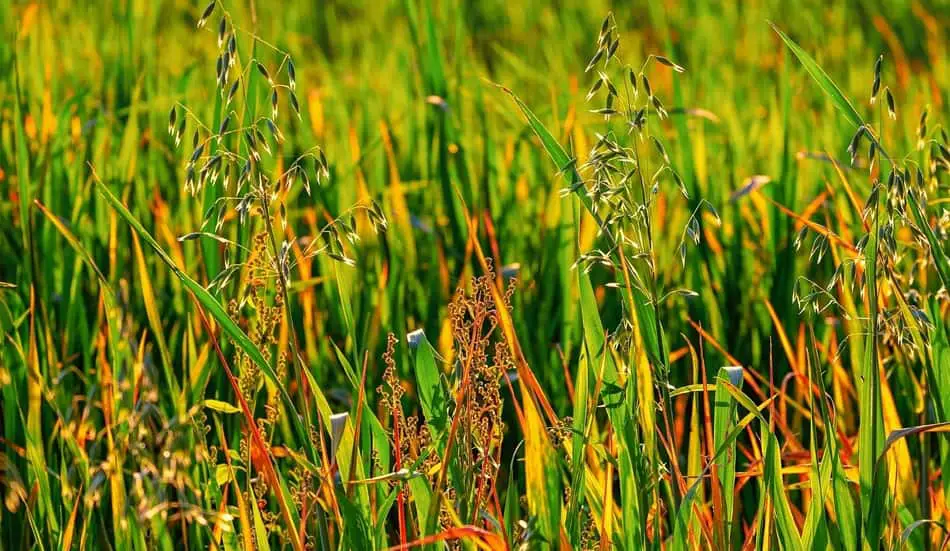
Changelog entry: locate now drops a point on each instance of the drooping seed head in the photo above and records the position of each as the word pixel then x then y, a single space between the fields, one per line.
pixel 294 104
pixel 234 88
pixel 274 131
pixel 206 14
pixel 180 131
pixel 613 49
pixel 261 140
pixel 594 60
pixel 593 89
pixel 670 64
pixel 855 142
pixel 922 130
pixel 222 31
pixel 197 152
pixel 891 106
pixel 263 71
pixel 224 125
pixel 171 120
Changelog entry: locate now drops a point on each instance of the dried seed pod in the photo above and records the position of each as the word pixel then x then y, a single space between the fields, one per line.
pixel 228 175
pixel 658 105
pixel 245 175
pixel 181 131
pixel 263 71
pixel 224 126
pixel 646 85
pixel 661 149
pixel 944 152
pixel 891 106
pixel 670 64
pixel 190 177
pixel 234 89
pixel 252 146
pixel 294 104
pixel 325 167
pixel 799 237
pixel 871 204
pixel 222 31
pixel 855 142
pixel 613 49
pixel 679 184
pixel 605 26
pixel 206 14
pixel 922 130
pixel 289 177
pixel 274 131
pixel 261 140
pixel 594 60
pixel 876 85
pixel 593 89
pixel 305 178
pixel 197 152
pixel 171 120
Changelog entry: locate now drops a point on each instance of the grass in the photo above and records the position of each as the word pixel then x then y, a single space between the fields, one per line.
pixel 474 275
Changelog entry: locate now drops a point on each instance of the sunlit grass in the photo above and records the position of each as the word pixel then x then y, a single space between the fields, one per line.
pixel 409 275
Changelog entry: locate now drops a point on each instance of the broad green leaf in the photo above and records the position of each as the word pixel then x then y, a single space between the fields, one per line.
pixel 433 396
pixel 772 477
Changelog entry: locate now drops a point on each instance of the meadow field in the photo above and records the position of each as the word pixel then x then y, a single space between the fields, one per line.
pixel 448 274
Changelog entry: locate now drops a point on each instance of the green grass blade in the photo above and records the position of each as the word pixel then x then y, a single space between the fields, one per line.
pixel 786 528
pixel 680 539
pixel 724 420
pixel 824 81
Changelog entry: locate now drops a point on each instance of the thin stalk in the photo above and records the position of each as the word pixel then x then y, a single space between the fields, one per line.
pixel 298 361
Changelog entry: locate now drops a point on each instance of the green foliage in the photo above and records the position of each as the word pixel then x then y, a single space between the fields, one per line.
pixel 572 218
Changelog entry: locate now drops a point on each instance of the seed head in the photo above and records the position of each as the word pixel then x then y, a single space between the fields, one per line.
pixel 171 120
pixel 206 14
pixel 891 107
pixel 263 71
pixel 222 31
pixel 670 64
pixel 291 74
pixel 646 85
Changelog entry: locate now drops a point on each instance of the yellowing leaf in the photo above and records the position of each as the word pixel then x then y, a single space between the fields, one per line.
pixel 223 407
pixel 222 474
